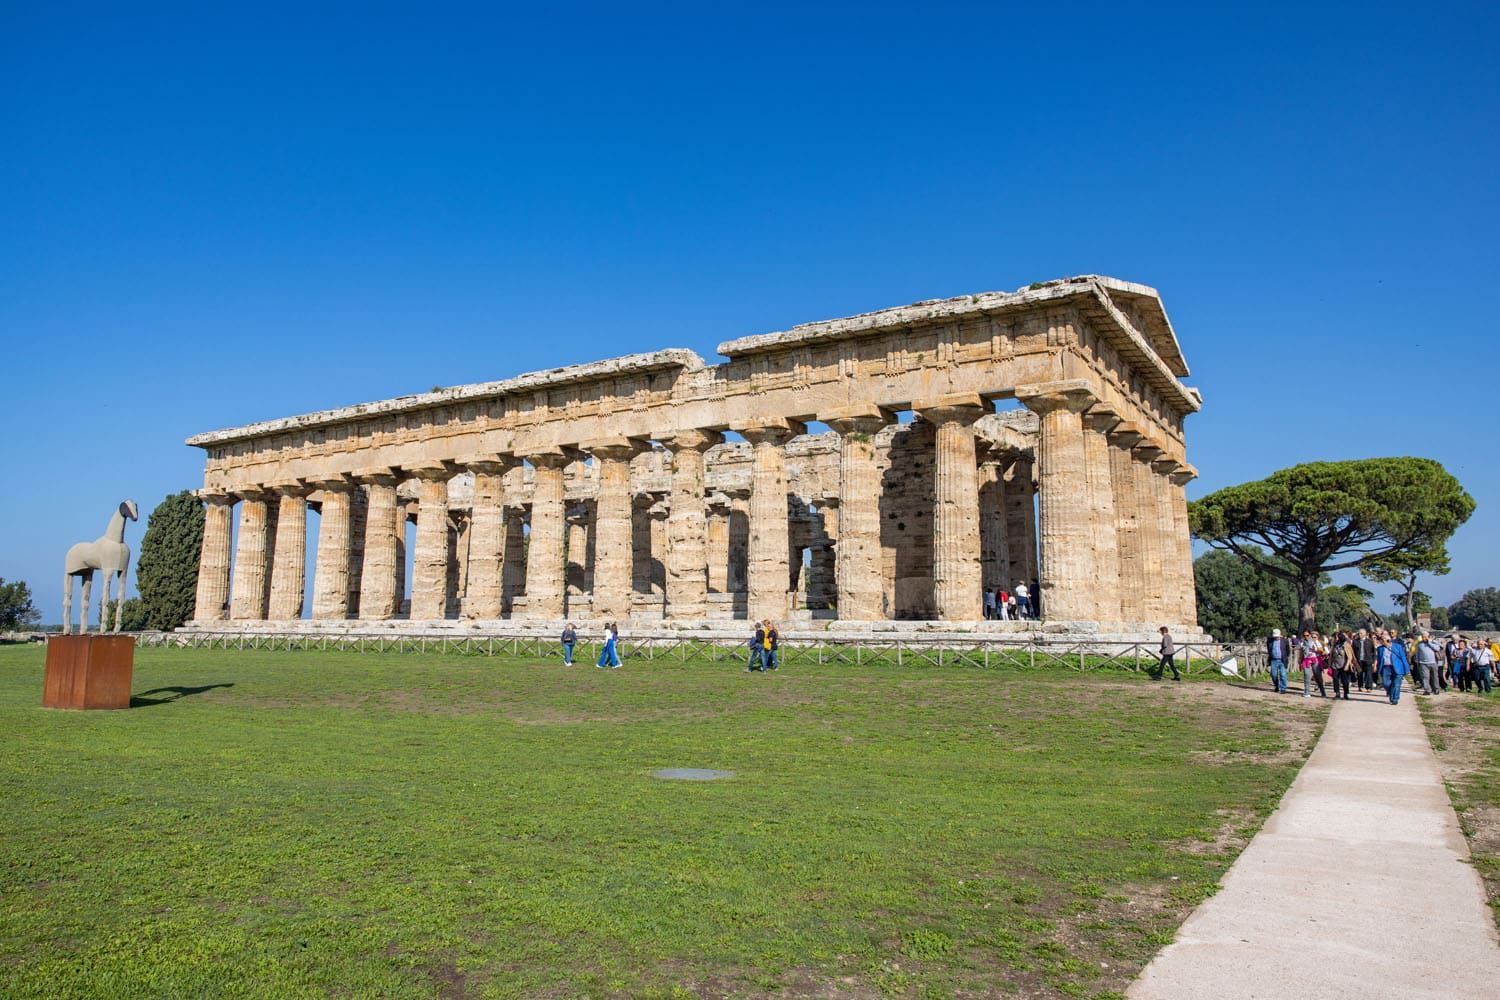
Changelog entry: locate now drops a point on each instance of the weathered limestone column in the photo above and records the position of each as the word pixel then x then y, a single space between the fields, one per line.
pixel 1153 580
pixel 359 507
pixel 252 557
pixel 614 532
pixel 1068 571
pixel 1122 440
pixel 482 597
pixel 1182 535
pixel 717 543
pixel 212 602
pixel 385 522
pixel 857 559
pixel 687 525
pixel 429 570
pixel 544 563
pixel 1097 423
pixel 331 565
pixel 1020 520
pixel 1175 575
pixel 769 573
pixel 955 522
pixel 513 559
pixel 289 564
pixel 994 546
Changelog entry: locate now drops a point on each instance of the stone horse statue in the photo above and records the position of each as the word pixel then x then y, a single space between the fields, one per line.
pixel 108 553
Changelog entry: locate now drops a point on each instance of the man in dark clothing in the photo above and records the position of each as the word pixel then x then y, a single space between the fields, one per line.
pixel 1276 657
pixel 757 642
pixel 1168 657
pixel 1364 653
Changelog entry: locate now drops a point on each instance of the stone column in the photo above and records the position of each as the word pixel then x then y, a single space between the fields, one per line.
pixel 769 573
pixel 212 603
pixel 955 522
pixel 513 559
pixel 1175 576
pixel 359 507
pixel 289 564
pixel 994 546
pixel 1122 440
pixel 614 532
pixel 687 525
pixel 544 563
pixel 857 564
pixel 385 522
pixel 429 571
pixel 482 596
pixel 331 566
pixel 252 557
pixel 1182 534
pixel 1153 580
pixel 1020 520
pixel 716 542
pixel 1068 571
pixel 1097 423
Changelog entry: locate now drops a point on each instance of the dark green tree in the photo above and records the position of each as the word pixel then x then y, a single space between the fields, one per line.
pixel 1311 519
pixel 1440 620
pixel 1239 602
pixel 1401 568
pixel 1344 606
pixel 16 609
pixel 1476 608
pixel 167 571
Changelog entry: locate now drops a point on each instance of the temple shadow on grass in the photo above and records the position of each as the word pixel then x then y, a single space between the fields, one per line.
pixel 172 694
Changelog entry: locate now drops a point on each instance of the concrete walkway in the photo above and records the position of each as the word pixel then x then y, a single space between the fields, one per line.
pixel 1359 885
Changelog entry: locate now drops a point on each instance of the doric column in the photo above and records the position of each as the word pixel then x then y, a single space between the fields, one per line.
pixel 955 522
pixel 687 525
pixel 429 569
pixel 1182 534
pixel 1066 511
pixel 483 596
pixel 252 557
pixel 769 573
pixel 544 562
pixel 1153 579
pixel 331 565
pixel 717 543
pixel 1133 588
pixel 289 564
pixel 513 559
pixel 1097 423
pixel 857 569
pixel 212 603
pixel 1176 576
pixel 994 545
pixel 1020 519
pixel 385 523
pixel 614 538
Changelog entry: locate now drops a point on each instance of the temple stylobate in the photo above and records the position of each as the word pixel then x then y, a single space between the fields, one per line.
pixel 977 442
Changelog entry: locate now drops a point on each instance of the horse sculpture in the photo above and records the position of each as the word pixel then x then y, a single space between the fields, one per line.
pixel 108 553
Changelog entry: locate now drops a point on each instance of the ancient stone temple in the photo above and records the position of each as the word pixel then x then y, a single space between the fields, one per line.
pixel 971 443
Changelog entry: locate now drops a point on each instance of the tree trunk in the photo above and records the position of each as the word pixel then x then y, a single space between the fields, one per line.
pixel 1411 586
pixel 1307 603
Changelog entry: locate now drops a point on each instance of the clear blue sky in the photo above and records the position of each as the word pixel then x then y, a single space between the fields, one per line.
pixel 208 218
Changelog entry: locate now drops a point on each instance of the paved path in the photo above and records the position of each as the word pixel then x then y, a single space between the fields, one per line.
pixel 1359 885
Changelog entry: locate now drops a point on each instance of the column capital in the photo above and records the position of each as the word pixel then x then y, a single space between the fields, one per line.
pixel 491 465
pixel 379 476
pixel 336 483
pixel 770 430
pixel 616 448
pixel 290 488
pixel 1126 435
pixel 1185 474
pixel 1148 451
pixel 551 458
pixel 691 440
pixel 432 472
pixel 961 407
pixel 1165 465
pixel 217 499
pixel 1101 418
pixel 255 493
pixel 861 418
pixel 1074 395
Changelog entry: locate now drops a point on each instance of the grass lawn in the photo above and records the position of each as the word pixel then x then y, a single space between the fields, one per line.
pixel 276 824
pixel 1465 733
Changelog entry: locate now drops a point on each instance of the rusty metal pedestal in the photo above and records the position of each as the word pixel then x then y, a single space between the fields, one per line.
pixel 88 671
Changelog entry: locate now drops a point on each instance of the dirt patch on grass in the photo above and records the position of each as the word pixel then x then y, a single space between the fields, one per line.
pixel 1465 731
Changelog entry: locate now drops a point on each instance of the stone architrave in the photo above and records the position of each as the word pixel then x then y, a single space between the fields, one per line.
pixel 385 525
pixel 1153 577
pixel 769 570
pixel 429 570
pixel 687 525
pixel 483 596
pixel 1182 535
pixel 544 562
pixel 1020 519
pixel 614 531
pixel 1068 570
pixel 289 564
pixel 1133 584
pixel 956 579
pixel 1175 582
pixel 1097 423
pixel 212 601
pixel 331 564
pixel 252 557
pixel 857 560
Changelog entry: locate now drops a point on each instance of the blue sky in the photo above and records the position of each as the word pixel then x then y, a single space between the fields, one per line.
pixel 208 218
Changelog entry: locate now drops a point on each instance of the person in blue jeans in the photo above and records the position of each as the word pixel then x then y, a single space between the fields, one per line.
pixel 1276 653
pixel 771 642
pixel 569 640
pixel 609 656
pixel 1391 656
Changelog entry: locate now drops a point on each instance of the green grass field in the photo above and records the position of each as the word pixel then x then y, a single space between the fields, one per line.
pixel 276 824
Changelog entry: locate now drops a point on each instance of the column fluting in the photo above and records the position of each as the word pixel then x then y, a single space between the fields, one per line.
pixel 212 600
pixel 1097 423
pixel 955 523
pixel 331 563
pixel 1067 563
pixel 289 563
pixel 429 571
pixel 768 570
pixel 857 557
pixel 483 596
pixel 544 562
pixel 252 557
pixel 687 525
pixel 384 522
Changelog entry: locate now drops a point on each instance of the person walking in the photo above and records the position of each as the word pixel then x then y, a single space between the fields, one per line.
pixel 609 656
pixel 757 660
pixel 989 605
pixel 1482 662
pixel 1364 653
pixel 1341 661
pixel 1168 658
pixel 1312 664
pixel 1450 652
pixel 770 645
pixel 569 640
pixel 1276 657
pixel 1003 603
pixel 1460 665
pixel 1427 656
pixel 1391 657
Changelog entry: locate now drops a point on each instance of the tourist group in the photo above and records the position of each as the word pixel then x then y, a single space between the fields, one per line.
pixel 1359 659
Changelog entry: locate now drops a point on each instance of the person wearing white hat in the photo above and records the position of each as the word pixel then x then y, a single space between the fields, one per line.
pixel 1276 650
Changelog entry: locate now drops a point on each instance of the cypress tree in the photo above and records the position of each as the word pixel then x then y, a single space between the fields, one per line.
pixel 167 572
